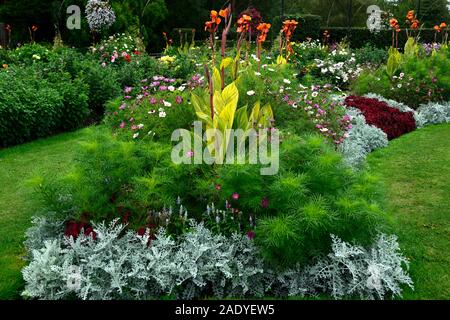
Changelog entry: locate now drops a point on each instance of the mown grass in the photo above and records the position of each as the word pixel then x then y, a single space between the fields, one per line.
pixel 52 156
pixel 415 170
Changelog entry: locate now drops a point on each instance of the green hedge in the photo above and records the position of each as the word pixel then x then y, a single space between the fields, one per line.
pixel 33 106
pixel 358 37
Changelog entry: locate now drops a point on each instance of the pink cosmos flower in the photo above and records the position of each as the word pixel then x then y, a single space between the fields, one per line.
pixel 235 196
pixel 123 106
pixel 122 125
pixel 128 89
pixel 179 100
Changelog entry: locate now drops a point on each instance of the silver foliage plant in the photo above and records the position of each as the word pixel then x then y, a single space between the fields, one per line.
pixel 432 113
pixel 362 140
pixel 123 265
pixel 99 15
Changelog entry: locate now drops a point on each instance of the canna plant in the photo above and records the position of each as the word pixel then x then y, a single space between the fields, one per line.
pixel 287 32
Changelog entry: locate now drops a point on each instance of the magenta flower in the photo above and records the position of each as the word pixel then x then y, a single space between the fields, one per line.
pixel 190 154
pixel 235 196
pixel 127 97
pixel 128 89
pixel 123 106
pixel 153 100
pixel 163 88
pixel 179 100
pixel 218 187
pixel 122 125
pixel 251 235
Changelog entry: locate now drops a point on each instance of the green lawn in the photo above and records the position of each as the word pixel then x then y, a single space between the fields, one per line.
pixel 416 172
pixel 415 169
pixel 51 156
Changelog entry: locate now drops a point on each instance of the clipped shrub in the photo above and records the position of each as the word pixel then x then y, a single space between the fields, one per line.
pixel 392 121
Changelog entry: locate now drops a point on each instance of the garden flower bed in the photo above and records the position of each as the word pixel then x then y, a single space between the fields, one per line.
pixel 159 203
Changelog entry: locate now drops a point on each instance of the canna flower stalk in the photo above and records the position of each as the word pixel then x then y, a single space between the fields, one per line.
pixel 395 31
pixel 243 27
pixel 226 14
pixel 211 90
pixel 263 30
pixel 287 31
pixel 212 26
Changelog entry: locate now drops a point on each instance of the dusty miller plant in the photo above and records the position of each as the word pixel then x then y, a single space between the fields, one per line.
pixel 123 265
pixel 362 140
pixel 432 113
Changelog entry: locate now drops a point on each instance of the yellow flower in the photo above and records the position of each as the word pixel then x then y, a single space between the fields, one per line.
pixel 167 59
pixel 5 66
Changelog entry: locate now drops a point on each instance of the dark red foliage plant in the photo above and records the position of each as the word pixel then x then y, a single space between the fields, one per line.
pixel 74 228
pixel 379 114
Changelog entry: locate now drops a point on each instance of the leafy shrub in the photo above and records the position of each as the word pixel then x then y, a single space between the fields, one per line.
pixel 416 80
pixel 33 106
pixel 392 121
pixel 432 113
pixel 370 55
pixel 313 195
pixel 102 82
pixel 362 140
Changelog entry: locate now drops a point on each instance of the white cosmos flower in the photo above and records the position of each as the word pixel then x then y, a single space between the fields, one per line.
pixel 167 104
pixel 181 88
pixel 287 81
pixel 171 88
pixel 271 70
pixel 135 135
pixel 315 94
pixel 162 114
pixel 251 93
pixel 258 74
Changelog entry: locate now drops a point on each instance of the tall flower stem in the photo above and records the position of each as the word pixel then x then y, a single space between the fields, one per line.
pixel 211 91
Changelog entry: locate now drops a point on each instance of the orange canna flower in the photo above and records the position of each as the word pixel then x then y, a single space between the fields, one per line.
pixel 437 29
pixel 415 25
pixel 289 27
pixel 5 66
pixel 263 29
pixel 213 25
pixel 244 23
pixel 410 16
pixel 225 13
pixel 443 25
pixel 393 22
pixel 34 28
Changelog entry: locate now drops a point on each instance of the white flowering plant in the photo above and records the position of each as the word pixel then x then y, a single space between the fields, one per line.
pixel 340 67
pixel 99 15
